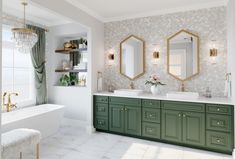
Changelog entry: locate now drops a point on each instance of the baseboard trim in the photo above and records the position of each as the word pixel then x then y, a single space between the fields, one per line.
pixel 73 122
pixel 79 123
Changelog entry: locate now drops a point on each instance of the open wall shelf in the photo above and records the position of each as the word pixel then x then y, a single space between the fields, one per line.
pixel 63 51
pixel 70 71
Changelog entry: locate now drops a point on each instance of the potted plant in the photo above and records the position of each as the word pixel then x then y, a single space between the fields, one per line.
pixel 155 83
pixel 65 80
pixel 69 80
pixel 82 43
pixel 73 79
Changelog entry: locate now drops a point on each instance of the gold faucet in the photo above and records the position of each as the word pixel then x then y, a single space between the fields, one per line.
pixel 132 85
pixel 9 105
pixel 182 87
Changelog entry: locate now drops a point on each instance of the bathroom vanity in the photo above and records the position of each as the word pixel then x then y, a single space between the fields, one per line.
pixel 203 123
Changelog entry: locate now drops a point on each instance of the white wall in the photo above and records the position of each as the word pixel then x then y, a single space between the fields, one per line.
pixel 74 98
pixel 0 66
pixel 96 38
pixel 231 42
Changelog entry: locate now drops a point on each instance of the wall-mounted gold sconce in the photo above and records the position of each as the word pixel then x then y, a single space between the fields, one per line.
pixel 111 56
pixel 156 54
pixel 213 49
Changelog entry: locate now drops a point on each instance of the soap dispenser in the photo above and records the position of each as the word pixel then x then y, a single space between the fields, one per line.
pixel 208 93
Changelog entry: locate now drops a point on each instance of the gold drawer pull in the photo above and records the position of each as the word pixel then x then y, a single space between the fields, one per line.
pixel 150 130
pixel 218 123
pixel 218 140
pixel 218 109
pixel 179 115
pixel 101 123
pixel 184 115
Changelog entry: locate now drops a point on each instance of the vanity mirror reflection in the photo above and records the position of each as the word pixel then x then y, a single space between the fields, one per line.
pixel 132 60
pixel 183 55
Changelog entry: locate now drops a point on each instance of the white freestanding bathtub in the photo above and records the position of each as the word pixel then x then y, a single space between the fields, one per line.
pixel 45 118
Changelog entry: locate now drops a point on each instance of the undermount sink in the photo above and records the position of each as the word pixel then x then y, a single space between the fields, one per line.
pixel 128 92
pixel 183 95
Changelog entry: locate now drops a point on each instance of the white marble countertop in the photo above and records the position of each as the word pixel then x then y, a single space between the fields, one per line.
pixel 214 100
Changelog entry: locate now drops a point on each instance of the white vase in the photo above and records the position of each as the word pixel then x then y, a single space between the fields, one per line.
pixel 155 90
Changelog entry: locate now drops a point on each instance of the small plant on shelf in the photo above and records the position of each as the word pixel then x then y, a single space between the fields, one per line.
pixel 68 80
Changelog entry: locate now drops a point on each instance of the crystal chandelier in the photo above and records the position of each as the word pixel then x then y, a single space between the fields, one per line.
pixel 24 38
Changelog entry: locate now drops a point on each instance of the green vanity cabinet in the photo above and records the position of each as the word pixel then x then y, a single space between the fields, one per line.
pixel 198 125
pixel 194 128
pixel 171 129
pixel 101 109
pixel 219 127
pixel 183 124
pixel 151 119
pixel 125 115
pixel 116 119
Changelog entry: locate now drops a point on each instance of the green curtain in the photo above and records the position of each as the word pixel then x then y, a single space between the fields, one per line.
pixel 38 59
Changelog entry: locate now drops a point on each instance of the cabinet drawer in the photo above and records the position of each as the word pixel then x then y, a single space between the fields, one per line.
pixel 101 99
pixel 219 122
pixel 101 123
pixel 151 130
pixel 101 109
pixel 184 106
pixel 125 101
pixel 219 141
pixel 151 115
pixel 151 103
pixel 219 109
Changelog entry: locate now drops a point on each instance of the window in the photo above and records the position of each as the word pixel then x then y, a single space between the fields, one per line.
pixel 17 71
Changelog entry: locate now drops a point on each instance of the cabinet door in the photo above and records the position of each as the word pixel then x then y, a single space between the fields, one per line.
pixel 116 118
pixel 194 128
pixel 133 120
pixel 171 125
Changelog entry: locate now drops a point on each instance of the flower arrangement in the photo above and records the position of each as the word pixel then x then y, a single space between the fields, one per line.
pixel 154 81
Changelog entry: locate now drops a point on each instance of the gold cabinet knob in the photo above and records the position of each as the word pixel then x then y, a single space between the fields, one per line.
pixel 179 115
pixel 218 140
pixel 218 123
pixel 184 115
pixel 218 109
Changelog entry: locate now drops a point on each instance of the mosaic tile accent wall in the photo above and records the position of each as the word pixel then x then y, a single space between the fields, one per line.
pixel 209 24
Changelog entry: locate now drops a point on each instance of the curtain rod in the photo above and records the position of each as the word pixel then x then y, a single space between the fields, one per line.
pixel 18 21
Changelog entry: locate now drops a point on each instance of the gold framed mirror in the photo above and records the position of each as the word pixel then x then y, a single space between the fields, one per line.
pixel 132 57
pixel 183 55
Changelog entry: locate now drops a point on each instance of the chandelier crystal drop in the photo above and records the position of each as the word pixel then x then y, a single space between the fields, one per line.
pixel 24 38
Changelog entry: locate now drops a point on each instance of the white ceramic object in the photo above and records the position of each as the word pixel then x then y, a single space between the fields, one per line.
pixel 44 118
pixel 183 95
pixel 128 92
pixel 155 90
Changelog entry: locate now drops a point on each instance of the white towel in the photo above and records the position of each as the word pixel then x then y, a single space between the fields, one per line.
pixel 226 87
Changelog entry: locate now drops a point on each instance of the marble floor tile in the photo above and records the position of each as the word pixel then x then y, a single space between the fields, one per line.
pixel 72 142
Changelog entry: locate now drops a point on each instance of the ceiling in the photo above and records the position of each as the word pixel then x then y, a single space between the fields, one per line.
pixel 113 10
pixel 34 13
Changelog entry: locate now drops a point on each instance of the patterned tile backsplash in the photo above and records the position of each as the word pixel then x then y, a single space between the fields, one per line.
pixel 209 24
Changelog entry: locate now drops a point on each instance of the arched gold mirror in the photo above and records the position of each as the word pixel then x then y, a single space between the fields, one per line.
pixel 183 55
pixel 132 57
